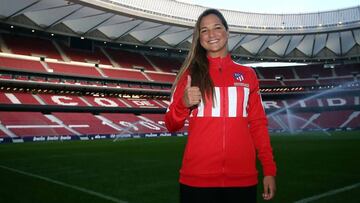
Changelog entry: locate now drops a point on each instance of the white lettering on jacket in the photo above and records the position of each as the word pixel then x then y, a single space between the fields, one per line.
pixel 228 102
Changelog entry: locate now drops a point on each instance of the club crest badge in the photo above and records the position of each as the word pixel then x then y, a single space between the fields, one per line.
pixel 238 77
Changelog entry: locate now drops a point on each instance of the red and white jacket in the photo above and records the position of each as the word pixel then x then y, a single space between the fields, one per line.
pixel 223 138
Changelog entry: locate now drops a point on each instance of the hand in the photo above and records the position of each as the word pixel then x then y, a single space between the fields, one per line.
pixel 269 187
pixel 192 95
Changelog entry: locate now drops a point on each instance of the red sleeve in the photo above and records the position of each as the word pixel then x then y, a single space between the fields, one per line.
pixel 177 112
pixel 258 128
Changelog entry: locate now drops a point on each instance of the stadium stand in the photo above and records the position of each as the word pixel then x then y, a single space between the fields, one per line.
pixel 84 123
pixel 332 119
pixel 165 64
pixel 22 64
pixel 347 69
pixel 289 114
pixel 270 83
pixel 130 60
pixel 134 124
pixel 354 120
pixel 129 74
pixel 27 71
pixel 23 124
pixel 161 77
pixel 312 71
pixel 336 80
pixel 271 73
pixel 95 56
pixel 30 46
pixel 74 69
pixel 302 82
pixel 17 98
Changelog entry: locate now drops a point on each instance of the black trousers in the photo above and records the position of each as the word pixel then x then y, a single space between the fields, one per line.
pixel 190 194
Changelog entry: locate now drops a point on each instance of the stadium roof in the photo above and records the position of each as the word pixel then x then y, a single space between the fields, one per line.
pixel 168 24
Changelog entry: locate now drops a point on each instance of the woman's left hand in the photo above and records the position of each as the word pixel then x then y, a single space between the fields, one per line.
pixel 269 187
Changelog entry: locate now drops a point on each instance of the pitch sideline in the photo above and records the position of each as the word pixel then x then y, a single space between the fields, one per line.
pixel 329 193
pixel 87 191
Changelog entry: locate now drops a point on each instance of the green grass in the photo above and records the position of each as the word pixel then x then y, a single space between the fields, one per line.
pixel 146 170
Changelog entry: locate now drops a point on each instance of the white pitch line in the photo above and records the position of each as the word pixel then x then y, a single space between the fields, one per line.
pixel 329 193
pixel 87 191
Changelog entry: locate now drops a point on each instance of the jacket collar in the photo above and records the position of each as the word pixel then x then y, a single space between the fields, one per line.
pixel 219 61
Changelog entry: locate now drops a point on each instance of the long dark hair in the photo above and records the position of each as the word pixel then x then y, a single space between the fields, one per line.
pixel 197 62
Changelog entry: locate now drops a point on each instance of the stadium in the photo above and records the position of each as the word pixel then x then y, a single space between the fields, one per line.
pixel 84 86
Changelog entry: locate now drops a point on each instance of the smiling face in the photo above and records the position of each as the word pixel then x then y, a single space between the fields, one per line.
pixel 213 36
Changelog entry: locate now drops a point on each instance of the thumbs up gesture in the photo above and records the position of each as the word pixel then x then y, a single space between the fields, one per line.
pixel 192 95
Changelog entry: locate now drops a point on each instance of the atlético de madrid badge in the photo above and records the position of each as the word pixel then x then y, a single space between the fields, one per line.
pixel 238 77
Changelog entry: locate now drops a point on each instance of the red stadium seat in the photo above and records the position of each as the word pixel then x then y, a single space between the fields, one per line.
pixel 31 46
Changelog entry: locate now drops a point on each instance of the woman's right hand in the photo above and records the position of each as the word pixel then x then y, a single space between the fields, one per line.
pixel 192 94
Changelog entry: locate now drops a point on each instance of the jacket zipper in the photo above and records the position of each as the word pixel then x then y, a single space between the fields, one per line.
pixel 224 125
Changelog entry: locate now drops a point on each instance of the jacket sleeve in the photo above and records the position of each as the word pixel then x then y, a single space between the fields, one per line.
pixel 177 112
pixel 258 128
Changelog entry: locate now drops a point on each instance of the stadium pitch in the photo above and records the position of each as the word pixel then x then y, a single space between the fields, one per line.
pixel 312 167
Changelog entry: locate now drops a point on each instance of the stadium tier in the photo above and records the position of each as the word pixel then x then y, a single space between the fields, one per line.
pixel 330 119
pixel 30 46
pixel 55 63
pixel 347 69
pixel 133 65
pixel 85 123
pixel 26 65
pixel 336 81
pixel 271 73
pixel 129 74
pixel 130 60
pixel 74 100
pixel 285 123
pixel 304 82
pixel 165 64
pixel 162 77
pixel 130 123
pixel 30 124
pixel 83 69
pixel 270 83
pixel 95 56
pixel 283 115
pixel 106 71
pixel 323 121
pixel 74 70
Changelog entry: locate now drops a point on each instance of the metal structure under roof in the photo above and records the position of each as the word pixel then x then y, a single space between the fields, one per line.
pixel 169 24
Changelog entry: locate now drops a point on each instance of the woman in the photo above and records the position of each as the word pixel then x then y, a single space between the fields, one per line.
pixel 227 123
